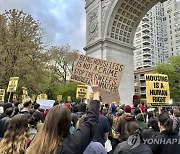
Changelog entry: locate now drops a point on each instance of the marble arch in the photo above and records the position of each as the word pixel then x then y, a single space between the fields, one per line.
pixel 110 30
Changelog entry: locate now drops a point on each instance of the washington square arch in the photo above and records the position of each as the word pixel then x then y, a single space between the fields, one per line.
pixel 110 30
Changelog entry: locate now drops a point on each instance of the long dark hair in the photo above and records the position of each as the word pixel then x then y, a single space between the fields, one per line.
pixel 56 127
pixel 16 135
pixel 152 122
pixel 166 121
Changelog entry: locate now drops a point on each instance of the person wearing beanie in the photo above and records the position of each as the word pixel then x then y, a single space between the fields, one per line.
pixel 140 121
pixel 127 109
pixel 119 112
pixel 123 120
pixel 115 135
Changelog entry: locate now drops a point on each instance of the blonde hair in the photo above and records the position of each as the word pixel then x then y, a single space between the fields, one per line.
pixel 14 140
pixel 13 147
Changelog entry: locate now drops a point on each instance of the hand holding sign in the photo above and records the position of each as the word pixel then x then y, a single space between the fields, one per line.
pixel 95 88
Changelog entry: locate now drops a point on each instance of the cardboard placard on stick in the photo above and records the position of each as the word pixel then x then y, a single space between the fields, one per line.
pixel 108 73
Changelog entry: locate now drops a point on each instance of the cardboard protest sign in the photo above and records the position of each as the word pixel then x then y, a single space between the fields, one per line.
pixel 2 94
pixel 59 98
pixel 108 73
pixel 13 82
pixel 157 89
pixel 81 91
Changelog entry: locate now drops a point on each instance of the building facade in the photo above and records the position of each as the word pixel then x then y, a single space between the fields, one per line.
pixel 158 35
pixel 140 83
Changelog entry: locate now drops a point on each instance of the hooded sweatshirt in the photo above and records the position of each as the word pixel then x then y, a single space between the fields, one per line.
pixel 122 122
pixel 140 121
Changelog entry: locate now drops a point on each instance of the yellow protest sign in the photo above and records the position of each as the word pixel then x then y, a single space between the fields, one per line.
pixel 2 94
pixel 24 89
pixel 157 89
pixel 14 97
pixel 43 96
pixel 91 94
pixel 59 98
pixel 38 97
pixel 69 98
pixel 13 82
pixel 81 91
pixel 33 97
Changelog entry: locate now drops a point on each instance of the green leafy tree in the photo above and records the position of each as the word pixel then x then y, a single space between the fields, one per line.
pixel 62 62
pixel 172 69
pixel 22 51
pixel 68 89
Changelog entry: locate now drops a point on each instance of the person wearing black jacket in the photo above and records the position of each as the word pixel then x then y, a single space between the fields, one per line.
pixel 167 141
pixel 134 143
pixel 55 138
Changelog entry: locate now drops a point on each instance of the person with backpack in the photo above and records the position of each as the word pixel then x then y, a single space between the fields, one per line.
pixel 123 120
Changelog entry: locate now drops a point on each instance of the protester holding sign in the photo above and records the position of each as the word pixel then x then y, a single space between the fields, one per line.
pixel 55 138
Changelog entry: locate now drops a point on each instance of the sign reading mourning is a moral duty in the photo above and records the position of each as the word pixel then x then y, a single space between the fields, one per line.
pixel 108 73
pixel 157 88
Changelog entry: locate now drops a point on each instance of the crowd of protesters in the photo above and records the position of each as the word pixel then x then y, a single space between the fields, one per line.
pixel 91 128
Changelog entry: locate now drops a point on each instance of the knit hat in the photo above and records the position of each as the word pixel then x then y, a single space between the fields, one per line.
pixel 120 112
pixel 127 109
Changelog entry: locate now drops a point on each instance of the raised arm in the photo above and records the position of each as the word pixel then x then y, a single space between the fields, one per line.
pixel 78 142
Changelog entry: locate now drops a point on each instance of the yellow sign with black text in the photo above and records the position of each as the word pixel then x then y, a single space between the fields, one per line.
pixel 59 98
pixel 81 91
pixel 157 89
pixel 69 98
pixel 13 82
pixel 43 96
pixel 25 92
pixel 2 94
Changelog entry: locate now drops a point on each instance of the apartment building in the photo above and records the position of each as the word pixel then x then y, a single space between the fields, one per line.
pixel 158 35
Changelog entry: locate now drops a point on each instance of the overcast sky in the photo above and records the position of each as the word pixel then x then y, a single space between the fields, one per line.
pixel 62 20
